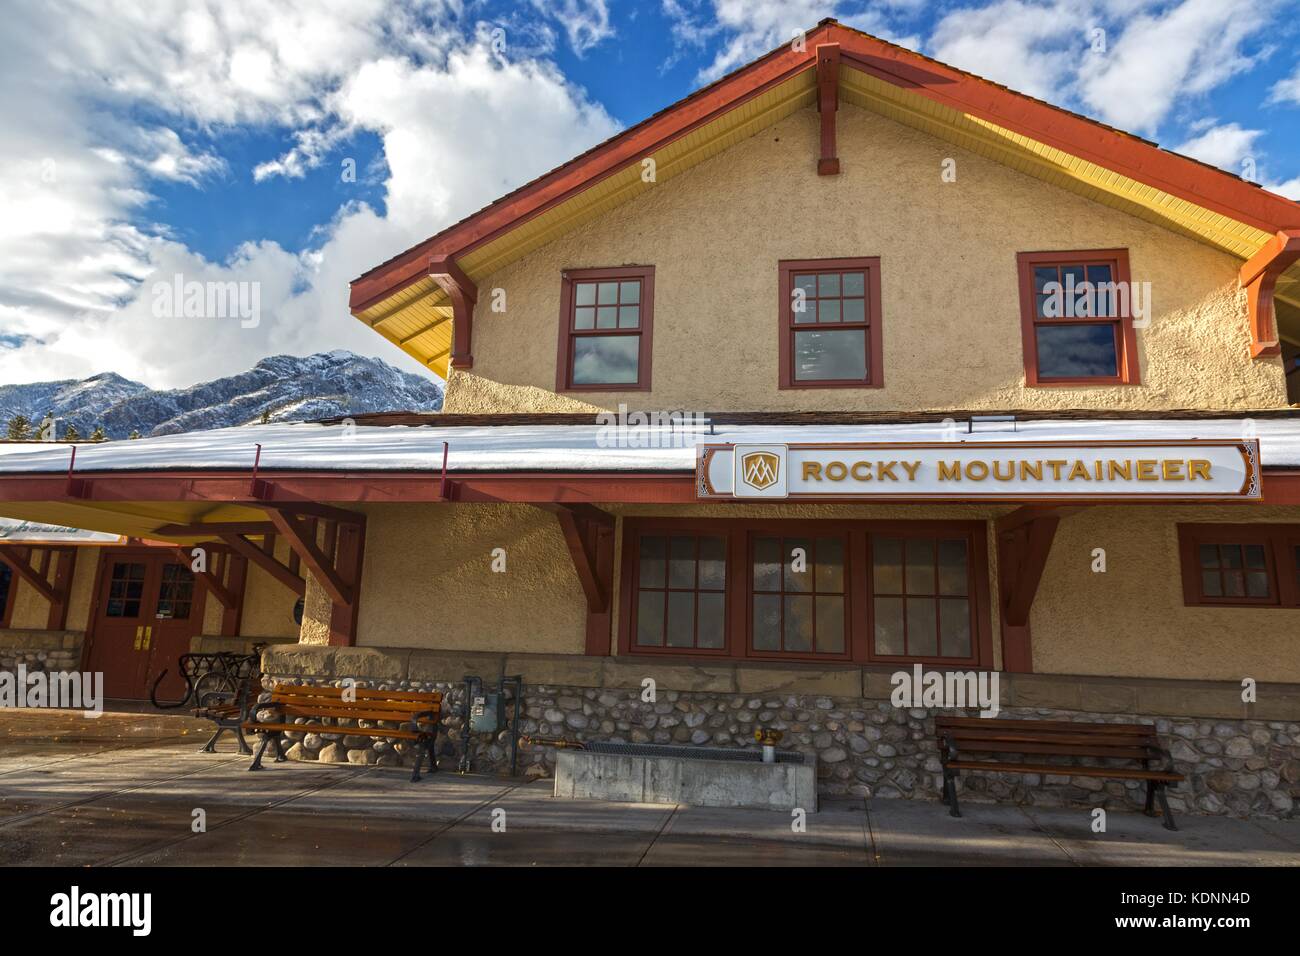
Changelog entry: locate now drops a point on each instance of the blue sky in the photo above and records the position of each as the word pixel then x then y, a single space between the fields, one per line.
pixel 210 139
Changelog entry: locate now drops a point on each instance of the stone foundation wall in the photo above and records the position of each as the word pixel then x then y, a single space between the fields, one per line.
pixel 865 746
pixel 40 650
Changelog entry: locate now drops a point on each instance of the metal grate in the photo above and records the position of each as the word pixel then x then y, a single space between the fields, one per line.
pixel 690 753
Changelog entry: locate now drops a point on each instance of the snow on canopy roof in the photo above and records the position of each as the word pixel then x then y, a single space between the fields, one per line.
pixel 321 447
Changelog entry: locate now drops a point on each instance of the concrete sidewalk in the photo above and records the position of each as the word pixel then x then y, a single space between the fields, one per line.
pixel 123 791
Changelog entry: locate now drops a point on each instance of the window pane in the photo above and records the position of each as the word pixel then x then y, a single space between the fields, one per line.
pixel 920 566
pixel 922 634
pixel 798 559
pixel 854 310
pixel 1210 585
pixel 830 565
pixel 767 564
pixel 606 359
pixel 828 310
pixel 629 292
pixel 584 293
pixel 629 316
pixel 1230 555
pixel 1076 351
pixel 1233 585
pixel 807 284
pixel 1073 273
pixel 830 624
pixel 607 317
pixel 1209 556
pixel 798 622
pixel 954 627
pixel 889 625
pixel 828 284
pixel 712 610
pixel 855 283
pixel 1254 556
pixel 1042 276
pixel 609 293
pixel 952 566
pixel 767 622
pixel 681 619
pixel 584 318
pixel 713 563
pixel 831 355
pixel 650 618
pixel 887 564
pixel 652 561
pixel 681 563
pixel 1256 584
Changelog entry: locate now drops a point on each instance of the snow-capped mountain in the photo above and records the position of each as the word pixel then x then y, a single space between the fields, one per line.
pixel 285 387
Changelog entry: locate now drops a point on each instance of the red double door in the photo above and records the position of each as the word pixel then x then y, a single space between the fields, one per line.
pixel 147 611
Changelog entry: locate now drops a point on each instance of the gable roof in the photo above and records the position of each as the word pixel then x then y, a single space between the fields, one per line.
pixel 399 299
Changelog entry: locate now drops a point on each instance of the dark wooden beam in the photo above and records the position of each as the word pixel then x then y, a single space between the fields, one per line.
pixel 18 560
pixel 463 294
pixel 64 569
pixel 1258 276
pixel 210 578
pixel 349 557
pixel 828 104
pixel 1023 549
pixel 213 529
pixel 310 509
pixel 303 541
pixel 234 569
pixel 589 535
pixel 245 548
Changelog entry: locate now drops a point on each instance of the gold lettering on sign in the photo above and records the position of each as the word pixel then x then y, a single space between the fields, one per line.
pixel 910 467
pixel 1121 468
pixel 1147 470
pixel 1080 470
pixel 812 470
pixel 1198 468
pixel 1032 469
pixel 950 471
pixel 1011 470
pixel 1056 464
pixel 836 470
pixel 885 469
pixel 861 471
pixel 977 470
pixel 1171 469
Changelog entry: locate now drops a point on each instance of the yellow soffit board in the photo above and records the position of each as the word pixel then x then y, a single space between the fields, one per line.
pixel 138 519
pixel 418 319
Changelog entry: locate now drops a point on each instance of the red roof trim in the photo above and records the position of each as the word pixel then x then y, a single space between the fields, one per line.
pixel 1112 149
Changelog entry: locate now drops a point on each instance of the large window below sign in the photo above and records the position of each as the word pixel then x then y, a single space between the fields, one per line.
pixel 1240 565
pixel 807 590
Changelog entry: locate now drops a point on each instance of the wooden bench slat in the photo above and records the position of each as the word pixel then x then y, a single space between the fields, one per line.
pixel 1030 737
pixel 379 732
pixel 363 702
pixel 1012 723
pixel 993 747
pixel 293 710
pixel 1123 773
pixel 361 693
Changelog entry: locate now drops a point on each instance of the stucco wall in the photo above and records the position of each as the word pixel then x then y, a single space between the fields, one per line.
pixel 1131 621
pixel 31 611
pixel 428 583
pixel 949 283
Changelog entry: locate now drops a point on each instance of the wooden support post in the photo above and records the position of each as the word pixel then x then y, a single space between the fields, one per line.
pixel 828 104
pixel 18 560
pixel 35 571
pixel 350 555
pixel 1024 543
pixel 1259 277
pixel 589 534
pixel 463 294
pixel 234 569
pixel 64 569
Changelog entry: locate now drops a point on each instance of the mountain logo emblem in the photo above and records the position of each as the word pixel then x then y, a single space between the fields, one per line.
pixel 760 469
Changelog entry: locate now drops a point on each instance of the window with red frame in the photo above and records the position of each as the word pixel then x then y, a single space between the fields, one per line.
pixel 681 591
pixel 1076 318
pixel 605 322
pixel 1243 565
pixel 830 323
pixel 803 590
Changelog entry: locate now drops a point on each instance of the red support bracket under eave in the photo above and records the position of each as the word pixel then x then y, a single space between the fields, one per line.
pixel 828 104
pixel 464 294
pixel 1259 277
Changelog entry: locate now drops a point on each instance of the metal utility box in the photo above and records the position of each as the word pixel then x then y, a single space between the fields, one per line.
pixel 485 714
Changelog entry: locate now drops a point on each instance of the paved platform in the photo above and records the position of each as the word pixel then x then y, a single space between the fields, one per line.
pixel 123 790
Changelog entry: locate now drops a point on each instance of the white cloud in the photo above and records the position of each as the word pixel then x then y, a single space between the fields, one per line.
pixel 459 125
pixel 1225 146
pixel 1286 90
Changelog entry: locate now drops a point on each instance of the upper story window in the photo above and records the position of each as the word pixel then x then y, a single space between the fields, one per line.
pixel 830 323
pixel 1240 564
pixel 1076 320
pixel 605 320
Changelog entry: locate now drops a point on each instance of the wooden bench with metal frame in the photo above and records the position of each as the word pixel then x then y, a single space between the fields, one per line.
pixel 228 710
pixel 1033 740
pixel 418 712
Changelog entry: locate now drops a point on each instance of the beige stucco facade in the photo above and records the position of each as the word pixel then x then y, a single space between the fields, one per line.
pixel 950 302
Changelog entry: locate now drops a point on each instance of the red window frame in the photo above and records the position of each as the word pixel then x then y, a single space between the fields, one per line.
pixel 1282 566
pixel 859 620
pixel 788 270
pixel 1126 354
pixel 569 333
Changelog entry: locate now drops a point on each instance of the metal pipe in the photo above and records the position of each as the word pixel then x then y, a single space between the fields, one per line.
pixel 558 743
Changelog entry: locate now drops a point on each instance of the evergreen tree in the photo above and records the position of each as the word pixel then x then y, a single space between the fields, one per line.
pixel 72 434
pixel 266 416
pixel 20 428
pixel 98 434
pixel 135 433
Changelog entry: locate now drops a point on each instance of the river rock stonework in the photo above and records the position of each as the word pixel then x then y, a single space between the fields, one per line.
pixel 52 651
pixel 865 748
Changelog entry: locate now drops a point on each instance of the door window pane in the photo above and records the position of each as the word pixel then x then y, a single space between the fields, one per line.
pixel 125 589
pixel 797 599
pixel 920 604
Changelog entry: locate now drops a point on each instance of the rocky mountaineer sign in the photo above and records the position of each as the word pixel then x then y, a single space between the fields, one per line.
pixel 1193 470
